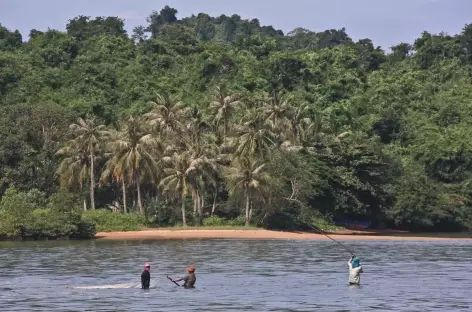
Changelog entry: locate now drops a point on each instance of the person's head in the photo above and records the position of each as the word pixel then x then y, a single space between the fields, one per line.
pixel 191 269
pixel 147 267
pixel 356 262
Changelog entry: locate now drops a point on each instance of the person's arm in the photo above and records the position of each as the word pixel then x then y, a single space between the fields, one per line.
pixel 181 279
pixel 350 260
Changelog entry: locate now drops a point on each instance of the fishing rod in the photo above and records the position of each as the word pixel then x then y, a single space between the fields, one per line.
pixel 170 279
pixel 322 232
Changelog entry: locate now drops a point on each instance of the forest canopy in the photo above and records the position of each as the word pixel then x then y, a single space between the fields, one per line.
pixel 222 116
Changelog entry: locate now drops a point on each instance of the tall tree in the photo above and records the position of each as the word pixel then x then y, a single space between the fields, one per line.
pixel 135 152
pixel 247 179
pixel 223 106
pixel 87 137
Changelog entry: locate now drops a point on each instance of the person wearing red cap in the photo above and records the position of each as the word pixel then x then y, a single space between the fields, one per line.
pixel 146 276
pixel 189 279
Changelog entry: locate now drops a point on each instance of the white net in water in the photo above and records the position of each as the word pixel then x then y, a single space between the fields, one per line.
pixel 113 286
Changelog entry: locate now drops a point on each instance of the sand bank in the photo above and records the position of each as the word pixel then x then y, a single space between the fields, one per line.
pixel 258 234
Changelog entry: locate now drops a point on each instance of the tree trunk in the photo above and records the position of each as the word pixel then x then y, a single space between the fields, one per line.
pixel 247 209
pixel 133 208
pixel 138 190
pixel 85 204
pixel 195 203
pixel 92 182
pixel 184 220
pixel 202 203
pixel 214 203
pixel 124 194
pixel 225 126
pixel 250 212
pixel 200 210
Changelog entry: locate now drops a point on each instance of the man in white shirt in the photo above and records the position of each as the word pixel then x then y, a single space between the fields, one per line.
pixel 355 270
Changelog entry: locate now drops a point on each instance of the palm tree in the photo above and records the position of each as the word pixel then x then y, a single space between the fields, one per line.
pixel 201 173
pixel 246 178
pixel 167 114
pixel 87 138
pixel 276 111
pixel 114 168
pixel 135 150
pixel 223 106
pixel 252 137
pixel 198 131
pixel 74 169
pixel 298 118
pixel 175 181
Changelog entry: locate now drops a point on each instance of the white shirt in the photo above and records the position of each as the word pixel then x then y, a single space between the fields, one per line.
pixel 354 273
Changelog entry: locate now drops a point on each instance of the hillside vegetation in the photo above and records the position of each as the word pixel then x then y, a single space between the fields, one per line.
pixel 187 118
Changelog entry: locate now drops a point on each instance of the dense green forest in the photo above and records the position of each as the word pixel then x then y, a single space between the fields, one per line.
pixel 200 116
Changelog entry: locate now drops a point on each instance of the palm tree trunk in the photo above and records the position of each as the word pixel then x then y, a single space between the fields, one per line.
pixel 92 182
pixel 250 212
pixel 184 220
pixel 134 201
pixel 195 203
pixel 123 185
pixel 200 210
pixel 138 190
pixel 214 203
pixel 247 209
pixel 225 126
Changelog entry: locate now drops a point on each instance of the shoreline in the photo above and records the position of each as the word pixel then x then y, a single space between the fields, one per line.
pixel 162 234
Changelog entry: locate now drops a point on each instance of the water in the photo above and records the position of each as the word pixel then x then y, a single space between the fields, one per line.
pixel 235 275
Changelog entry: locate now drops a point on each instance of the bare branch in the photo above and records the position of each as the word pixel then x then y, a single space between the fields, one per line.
pixel 294 195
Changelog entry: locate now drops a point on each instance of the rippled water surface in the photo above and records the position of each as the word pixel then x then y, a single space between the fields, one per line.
pixel 235 275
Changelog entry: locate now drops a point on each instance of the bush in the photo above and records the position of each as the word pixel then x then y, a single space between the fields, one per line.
pixel 107 221
pixel 238 221
pixel 281 221
pixel 85 230
pixel 215 221
pixel 46 223
pixel 323 223
pixel 21 217
pixel 49 223
pixel 15 213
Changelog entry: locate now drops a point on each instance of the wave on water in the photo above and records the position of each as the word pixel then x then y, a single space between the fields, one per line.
pixel 113 286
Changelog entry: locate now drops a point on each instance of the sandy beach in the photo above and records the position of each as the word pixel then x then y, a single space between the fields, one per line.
pixel 256 234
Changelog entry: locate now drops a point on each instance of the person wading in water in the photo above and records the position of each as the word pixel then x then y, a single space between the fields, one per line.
pixel 146 277
pixel 189 279
pixel 355 270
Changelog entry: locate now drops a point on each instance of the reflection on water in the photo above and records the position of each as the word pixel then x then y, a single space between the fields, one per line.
pixel 235 275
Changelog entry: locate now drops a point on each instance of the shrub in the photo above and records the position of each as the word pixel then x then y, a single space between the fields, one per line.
pixel 215 221
pixel 15 213
pixel 107 221
pixel 323 223
pixel 238 221
pixel 21 217
pixel 281 221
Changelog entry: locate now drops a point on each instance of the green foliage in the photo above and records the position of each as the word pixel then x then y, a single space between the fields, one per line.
pixel 323 223
pixel 15 212
pixel 107 221
pixel 215 221
pixel 223 112
pixel 21 216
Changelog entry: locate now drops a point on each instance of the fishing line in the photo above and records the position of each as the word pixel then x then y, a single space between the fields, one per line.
pixel 322 232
